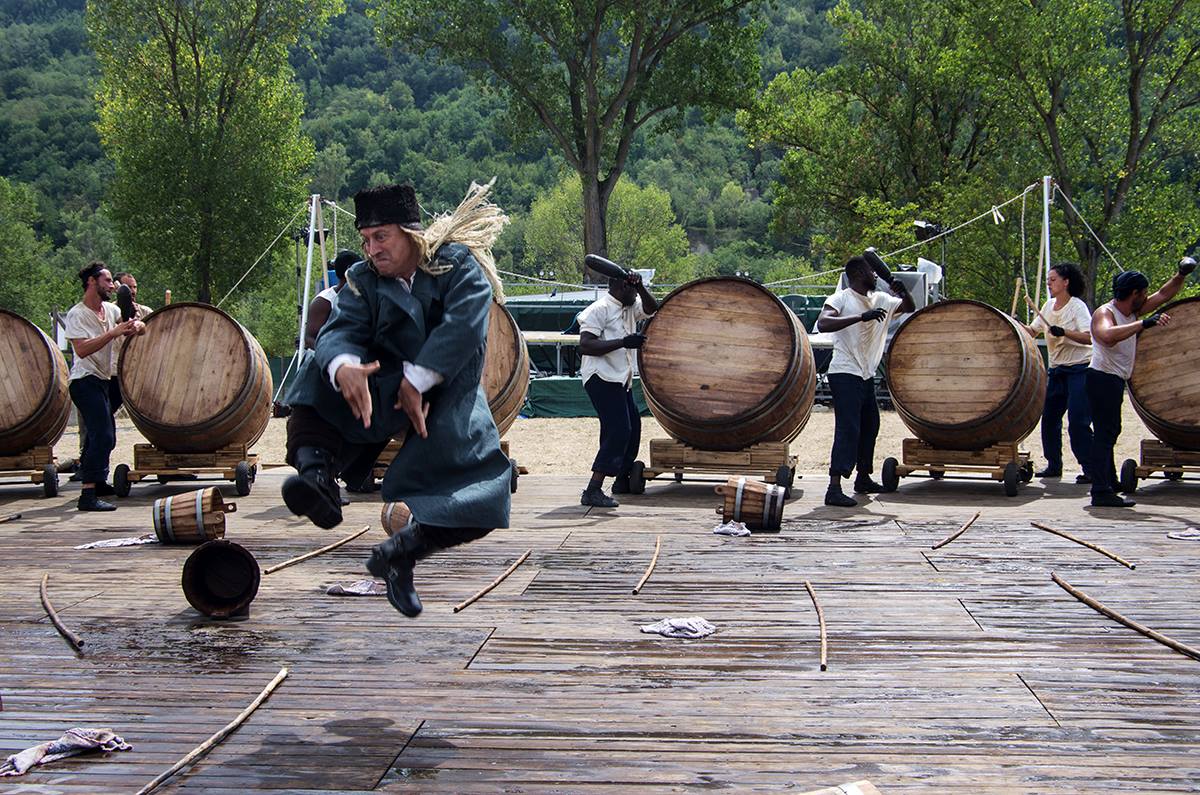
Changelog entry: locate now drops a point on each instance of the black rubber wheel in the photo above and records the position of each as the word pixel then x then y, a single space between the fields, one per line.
pixel 1012 479
pixel 891 480
pixel 163 479
pixel 1027 472
pixel 513 475
pixel 50 481
pixel 254 473
pixel 1173 475
pixel 1129 478
pixel 121 484
pixel 937 474
pixel 241 478
pixel 637 478
pixel 678 477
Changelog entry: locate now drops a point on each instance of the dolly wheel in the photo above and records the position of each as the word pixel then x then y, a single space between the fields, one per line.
pixel 1129 478
pixel 121 484
pixel 513 475
pixel 50 480
pixel 637 478
pixel 891 480
pixel 241 478
pixel 1012 479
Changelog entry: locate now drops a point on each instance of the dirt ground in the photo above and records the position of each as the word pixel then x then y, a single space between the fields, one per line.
pixel 566 446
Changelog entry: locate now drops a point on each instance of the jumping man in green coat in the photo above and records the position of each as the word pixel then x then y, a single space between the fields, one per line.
pixel 403 352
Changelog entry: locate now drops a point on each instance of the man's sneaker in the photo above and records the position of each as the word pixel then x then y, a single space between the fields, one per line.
pixel 864 485
pixel 1050 472
pixel 1106 499
pixel 596 498
pixel 1082 479
pixel 621 485
pixel 836 498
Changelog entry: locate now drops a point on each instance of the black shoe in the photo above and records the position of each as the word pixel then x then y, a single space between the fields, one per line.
pixel 1106 499
pixel 313 492
pixel 105 490
pixel 394 560
pixel 125 302
pixel 621 485
pixel 365 486
pixel 836 498
pixel 864 485
pixel 597 499
pixel 1048 472
pixel 1081 479
pixel 88 502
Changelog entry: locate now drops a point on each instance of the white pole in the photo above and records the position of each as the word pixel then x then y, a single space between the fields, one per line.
pixel 1047 187
pixel 312 233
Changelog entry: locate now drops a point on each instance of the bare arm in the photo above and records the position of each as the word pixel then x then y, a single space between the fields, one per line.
pixel 86 347
pixel 1106 331
pixel 591 345
pixel 1164 294
pixel 318 313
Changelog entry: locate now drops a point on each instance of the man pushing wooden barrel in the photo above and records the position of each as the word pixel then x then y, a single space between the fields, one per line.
pixel 404 352
pixel 1115 329
pixel 858 318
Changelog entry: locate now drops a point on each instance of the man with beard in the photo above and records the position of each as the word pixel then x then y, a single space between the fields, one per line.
pixel 92 326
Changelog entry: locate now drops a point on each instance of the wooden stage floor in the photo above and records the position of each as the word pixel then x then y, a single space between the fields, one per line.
pixel 962 670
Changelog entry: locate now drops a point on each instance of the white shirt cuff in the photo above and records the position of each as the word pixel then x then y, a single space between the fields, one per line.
pixel 420 377
pixel 338 361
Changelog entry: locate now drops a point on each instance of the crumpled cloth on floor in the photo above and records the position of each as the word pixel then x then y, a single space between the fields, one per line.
pixel 132 541
pixel 75 741
pixel 691 627
pixel 1190 534
pixel 732 529
pixel 358 588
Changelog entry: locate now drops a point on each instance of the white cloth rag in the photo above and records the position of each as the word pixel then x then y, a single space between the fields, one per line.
pixel 1190 534
pixel 732 529
pixel 690 627
pixel 75 741
pixel 358 588
pixel 132 541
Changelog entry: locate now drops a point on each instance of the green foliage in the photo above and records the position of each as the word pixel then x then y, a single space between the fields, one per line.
pixel 643 233
pixel 26 271
pixel 198 111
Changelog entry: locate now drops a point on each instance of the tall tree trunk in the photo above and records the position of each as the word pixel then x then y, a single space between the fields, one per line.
pixel 595 212
pixel 204 258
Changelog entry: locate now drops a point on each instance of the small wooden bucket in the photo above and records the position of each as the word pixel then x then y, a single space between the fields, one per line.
pixel 394 516
pixel 191 518
pixel 220 579
pixel 759 505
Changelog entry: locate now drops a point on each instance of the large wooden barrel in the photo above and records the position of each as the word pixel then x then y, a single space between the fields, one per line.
pixel 196 381
pixel 505 368
pixel 34 401
pixel 727 365
pixel 964 376
pixel 1165 386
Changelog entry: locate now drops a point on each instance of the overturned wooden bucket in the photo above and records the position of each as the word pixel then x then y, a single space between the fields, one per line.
pixel 758 505
pixel 220 579
pixel 191 518
pixel 394 516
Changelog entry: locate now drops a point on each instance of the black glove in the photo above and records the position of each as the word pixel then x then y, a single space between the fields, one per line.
pixel 633 340
pixel 875 314
pixel 1058 331
pixel 1152 321
pixel 1187 265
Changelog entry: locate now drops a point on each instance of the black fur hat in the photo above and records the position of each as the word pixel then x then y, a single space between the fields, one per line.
pixel 387 204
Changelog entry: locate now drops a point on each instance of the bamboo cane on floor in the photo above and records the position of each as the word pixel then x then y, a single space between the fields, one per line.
pixel 212 742
pixel 821 623
pixel 657 546
pixel 961 530
pixel 315 552
pixel 1087 544
pixel 1115 616
pixel 75 641
pixel 461 605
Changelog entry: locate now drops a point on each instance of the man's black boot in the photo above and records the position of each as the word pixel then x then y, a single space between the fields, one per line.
pixel 835 496
pixel 89 502
pixel 1106 499
pixel 312 492
pixel 394 560
pixel 621 485
pixel 864 485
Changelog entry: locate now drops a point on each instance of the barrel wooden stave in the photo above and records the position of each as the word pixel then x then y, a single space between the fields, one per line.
pixel 197 381
pixel 505 375
pixel 1165 385
pixel 35 402
pixel 221 579
pixel 965 376
pixel 756 504
pixel 726 365
pixel 176 522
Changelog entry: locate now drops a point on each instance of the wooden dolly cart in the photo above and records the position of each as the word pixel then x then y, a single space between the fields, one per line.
pixel 37 464
pixel 1004 462
pixel 389 453
pixel 1155 457
pixel 233 463
pixel 767 461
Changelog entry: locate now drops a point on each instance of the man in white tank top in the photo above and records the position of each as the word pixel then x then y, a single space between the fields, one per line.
pixel 1115 327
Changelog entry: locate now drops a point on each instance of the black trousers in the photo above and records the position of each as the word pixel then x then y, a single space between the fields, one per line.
pixel 855 424
pixel 1066 393
pixel 620 426
pixel 307 428
pixel 1106 393
pixel 96 400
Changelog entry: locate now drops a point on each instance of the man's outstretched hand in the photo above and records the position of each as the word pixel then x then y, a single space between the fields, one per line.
pixel 352 380
pixel 414 406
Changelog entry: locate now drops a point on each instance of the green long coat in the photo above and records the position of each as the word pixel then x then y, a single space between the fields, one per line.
pixel 457 477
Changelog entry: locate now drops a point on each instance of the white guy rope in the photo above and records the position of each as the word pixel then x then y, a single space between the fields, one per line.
pixel 1079 215
pixel 985 214
pixel 265 253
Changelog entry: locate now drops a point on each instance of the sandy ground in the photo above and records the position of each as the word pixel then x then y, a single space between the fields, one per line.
pixel 566 446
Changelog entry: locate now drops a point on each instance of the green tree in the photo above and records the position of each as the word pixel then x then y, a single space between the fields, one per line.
pixel 644 233
pixel 589 74
pixel 199 113
pixel 32 287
